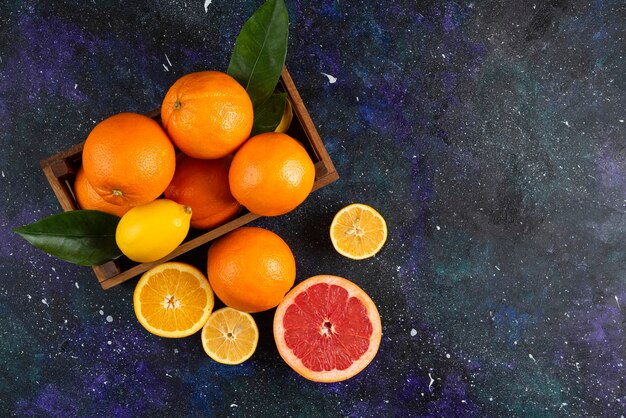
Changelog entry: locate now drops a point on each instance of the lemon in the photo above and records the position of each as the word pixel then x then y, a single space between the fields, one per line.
pixel 152 231
pixel 285 121
pixel 358 231
pixel 230 336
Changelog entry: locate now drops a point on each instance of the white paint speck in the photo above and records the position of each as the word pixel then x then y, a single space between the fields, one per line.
pixel 75 86
pixel 168 375
pixel 3 173
pixel 331 79
pixel 109 342
pixel 101 312
pixel 165 66
pixel 562 405
pixel 29 297
pixel 357 98
pixel 233 405
pixel 176 351
pixel 497 268
pixel 168 60
pixel 621 121
pixel 206 5
pixel 447 355
pixel 566 123
pixel 44 301
pixel 430 384
pixel 531 357
pixel 76 284
pixel 109 318
pixel 438 228
pixel 413 332
pixel 618 305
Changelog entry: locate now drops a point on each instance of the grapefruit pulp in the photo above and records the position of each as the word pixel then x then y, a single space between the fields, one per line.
pixel 327 329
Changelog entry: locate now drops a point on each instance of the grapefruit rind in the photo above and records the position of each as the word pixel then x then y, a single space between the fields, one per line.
pixel 333 375
pixel 183 267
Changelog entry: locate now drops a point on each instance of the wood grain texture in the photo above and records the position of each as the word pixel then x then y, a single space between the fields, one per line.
pixel 61 168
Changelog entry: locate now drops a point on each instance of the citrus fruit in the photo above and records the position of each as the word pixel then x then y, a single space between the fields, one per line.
pixel 207 114
pixel 128 159
pixel 327 329
pixel 251 269
pixel 230 336
pixel 285 121
pixel 173 300
pixel 358 231
pixel 203 186
pixel 152 231
pixel 87 198
pixel 271 174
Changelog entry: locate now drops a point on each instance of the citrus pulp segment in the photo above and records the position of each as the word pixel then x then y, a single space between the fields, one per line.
pixel 327 329
pixel 173 300
pixel 230 336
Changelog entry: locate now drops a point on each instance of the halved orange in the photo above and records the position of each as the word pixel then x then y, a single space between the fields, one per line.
pixel 358 231
pixel 230 336
pixel 327 329
pixel 173 300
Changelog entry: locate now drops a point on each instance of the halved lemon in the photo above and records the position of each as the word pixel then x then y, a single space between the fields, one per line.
pixel 358 231
pixel 230 336
pixel 173 300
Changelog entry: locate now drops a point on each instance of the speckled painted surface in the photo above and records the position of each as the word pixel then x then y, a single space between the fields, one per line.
pixel 489 134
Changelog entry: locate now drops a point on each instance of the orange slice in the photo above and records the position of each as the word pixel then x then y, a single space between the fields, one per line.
pixel 327 329
pixel 358 231
pixel 230 336
pixel 173 300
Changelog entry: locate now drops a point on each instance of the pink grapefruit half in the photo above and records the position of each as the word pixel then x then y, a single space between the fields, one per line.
pixel 327 329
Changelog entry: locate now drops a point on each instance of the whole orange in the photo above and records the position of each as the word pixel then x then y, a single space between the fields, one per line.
pixel 87 198
pixel 207 114
pixel 128 159
pixel 251 269
pixel 271 174
pixel 203 186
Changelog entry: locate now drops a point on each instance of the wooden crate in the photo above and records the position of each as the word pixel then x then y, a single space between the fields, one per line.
pixel 61 168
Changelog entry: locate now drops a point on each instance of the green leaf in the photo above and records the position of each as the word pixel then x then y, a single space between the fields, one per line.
pixel 268 115
pixel 84 237
pixel 260 51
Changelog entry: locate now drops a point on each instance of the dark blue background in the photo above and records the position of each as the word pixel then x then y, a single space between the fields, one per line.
pixel 490 134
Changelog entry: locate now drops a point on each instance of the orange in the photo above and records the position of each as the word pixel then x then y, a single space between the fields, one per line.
pixel 271 174
pixel 173 300
pixel 87 198
pixel 327 329
pixel 230 336
pixel 203 186
pixel 128 159
pixel 207 114
pixel 358 231
pixel 251 269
